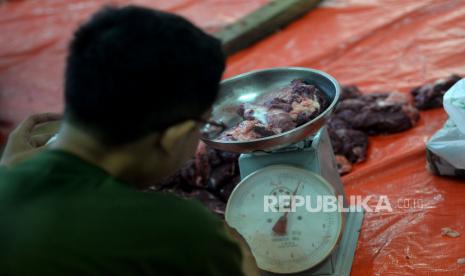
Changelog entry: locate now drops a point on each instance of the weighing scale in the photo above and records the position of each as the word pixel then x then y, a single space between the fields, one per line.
pixel 297 163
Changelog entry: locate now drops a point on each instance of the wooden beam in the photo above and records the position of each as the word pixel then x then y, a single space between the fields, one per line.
pixel 262 22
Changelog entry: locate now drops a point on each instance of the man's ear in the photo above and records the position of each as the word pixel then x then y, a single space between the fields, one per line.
pixel 173 137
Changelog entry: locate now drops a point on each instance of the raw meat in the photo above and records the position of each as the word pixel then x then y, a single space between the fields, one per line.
pixel 277 112
pixel 430 95
pixel 343 165
pixel 377 113
pixel 281 120
pixel 359 115
pixel 247 130
pixel 349 91
pixel 212 175
pixel 209 177
pixel 350 143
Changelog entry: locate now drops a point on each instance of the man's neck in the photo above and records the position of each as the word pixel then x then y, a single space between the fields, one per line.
pixel 77 142
pixel 137 163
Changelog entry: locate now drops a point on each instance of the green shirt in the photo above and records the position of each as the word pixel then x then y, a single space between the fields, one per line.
pixel 60 215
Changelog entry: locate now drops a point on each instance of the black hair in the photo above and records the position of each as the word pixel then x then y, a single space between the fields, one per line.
pixel 132 71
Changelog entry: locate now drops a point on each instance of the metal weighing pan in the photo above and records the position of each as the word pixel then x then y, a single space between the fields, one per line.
pixel 245 88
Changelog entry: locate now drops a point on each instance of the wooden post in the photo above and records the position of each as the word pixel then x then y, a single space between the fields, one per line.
pixel 262 22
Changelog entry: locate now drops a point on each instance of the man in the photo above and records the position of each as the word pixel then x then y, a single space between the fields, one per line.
pixel 137 84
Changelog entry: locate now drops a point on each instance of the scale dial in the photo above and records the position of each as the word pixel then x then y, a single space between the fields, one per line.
pixel 280 242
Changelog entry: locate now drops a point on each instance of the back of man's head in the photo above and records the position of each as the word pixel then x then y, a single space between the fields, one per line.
pixel 132 71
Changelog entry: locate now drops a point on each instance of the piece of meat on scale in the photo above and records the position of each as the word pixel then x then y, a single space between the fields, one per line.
pixel 245 131
pixel 279 120
pixel 277 112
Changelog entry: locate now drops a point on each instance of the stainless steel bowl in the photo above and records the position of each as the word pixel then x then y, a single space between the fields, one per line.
pixel 247 87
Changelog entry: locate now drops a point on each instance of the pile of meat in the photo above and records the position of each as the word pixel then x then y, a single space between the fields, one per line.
pixel 359 115
pixel 277 112
pixel 430 95
pixel 212 175
pixel 209 177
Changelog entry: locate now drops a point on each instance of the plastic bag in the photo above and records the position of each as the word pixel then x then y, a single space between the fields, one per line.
pixel 445 149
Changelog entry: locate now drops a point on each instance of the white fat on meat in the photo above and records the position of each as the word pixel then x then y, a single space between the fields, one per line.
pixel 244 131
pixel 306 105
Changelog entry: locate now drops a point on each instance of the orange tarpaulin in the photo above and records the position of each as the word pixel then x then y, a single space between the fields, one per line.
pixel 380 45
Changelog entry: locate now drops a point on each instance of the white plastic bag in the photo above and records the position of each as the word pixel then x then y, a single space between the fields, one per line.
pixel 454 104
pixel 448 144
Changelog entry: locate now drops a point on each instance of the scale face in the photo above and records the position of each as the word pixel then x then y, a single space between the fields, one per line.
pixel 285 242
